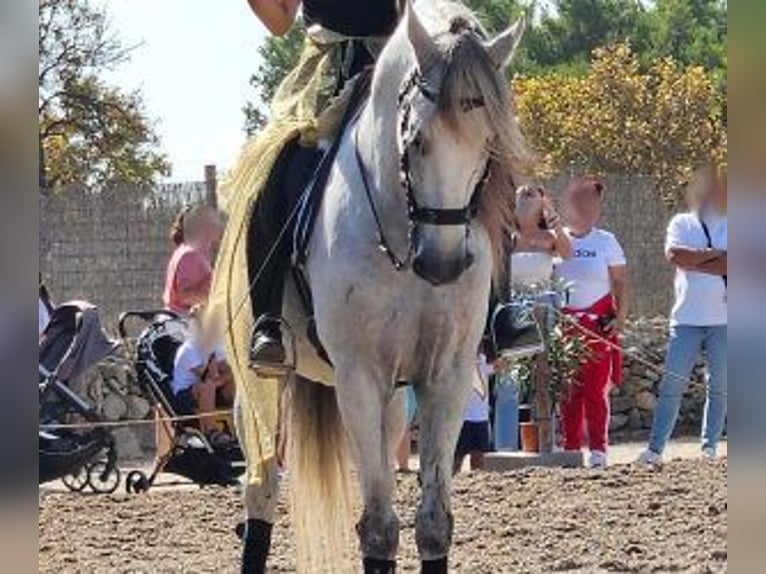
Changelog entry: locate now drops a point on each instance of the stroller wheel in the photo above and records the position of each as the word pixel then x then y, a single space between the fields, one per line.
pixel 101 479
pixel 136 482
pixel 76 481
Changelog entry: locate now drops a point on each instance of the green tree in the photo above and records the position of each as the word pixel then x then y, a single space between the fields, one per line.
pixel 661 122
pixel 89 132
pixel 692 32
pixel 569 32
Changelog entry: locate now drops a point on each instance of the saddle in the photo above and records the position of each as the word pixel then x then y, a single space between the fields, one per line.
pixel 310 201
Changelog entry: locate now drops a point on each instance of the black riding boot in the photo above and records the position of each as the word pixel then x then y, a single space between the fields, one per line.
pixel 257 541
pixel 434 566
pixel 375 566
pixel 269 244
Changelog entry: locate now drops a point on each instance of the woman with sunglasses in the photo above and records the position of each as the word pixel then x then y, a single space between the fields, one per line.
pixel 539 241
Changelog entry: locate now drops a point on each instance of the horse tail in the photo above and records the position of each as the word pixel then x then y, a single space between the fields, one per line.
pixel 319 479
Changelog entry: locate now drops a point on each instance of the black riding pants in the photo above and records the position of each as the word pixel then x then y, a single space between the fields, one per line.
pixel 270 234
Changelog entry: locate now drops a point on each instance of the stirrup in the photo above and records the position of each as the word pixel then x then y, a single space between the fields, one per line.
pixel 268 368
pixel 516 331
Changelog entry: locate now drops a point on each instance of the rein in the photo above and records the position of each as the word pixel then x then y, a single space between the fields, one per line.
pixel 416 213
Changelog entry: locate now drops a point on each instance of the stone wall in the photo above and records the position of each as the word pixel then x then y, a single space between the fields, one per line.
pixel 113 388
pixel 111 247
pixel 633 403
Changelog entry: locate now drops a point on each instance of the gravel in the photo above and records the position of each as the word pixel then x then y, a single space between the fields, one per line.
pixel 624 519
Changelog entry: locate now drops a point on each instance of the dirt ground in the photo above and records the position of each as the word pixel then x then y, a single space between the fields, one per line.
pixel 624 519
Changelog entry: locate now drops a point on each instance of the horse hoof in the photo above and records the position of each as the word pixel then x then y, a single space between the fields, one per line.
pixel 434 566
pixel 375 566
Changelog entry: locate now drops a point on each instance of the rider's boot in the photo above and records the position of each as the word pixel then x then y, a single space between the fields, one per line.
pixel 255 550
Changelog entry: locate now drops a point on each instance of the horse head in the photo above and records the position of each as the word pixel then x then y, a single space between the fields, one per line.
pixel 455 126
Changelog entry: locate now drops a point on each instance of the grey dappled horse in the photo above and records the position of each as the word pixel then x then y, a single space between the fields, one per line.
pixel 400 265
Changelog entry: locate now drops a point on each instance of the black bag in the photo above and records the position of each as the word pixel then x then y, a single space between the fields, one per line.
pixel 709 239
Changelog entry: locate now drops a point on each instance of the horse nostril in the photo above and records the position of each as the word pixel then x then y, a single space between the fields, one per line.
pixel 423 270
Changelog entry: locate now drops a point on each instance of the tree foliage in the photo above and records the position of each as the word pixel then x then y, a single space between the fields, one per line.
pixel 89 132
pixel 651 101
pixel 662 122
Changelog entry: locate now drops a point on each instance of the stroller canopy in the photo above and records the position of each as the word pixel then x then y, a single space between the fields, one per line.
pixel 74 340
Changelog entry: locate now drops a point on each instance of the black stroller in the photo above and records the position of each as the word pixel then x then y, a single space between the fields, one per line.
pixel 191 454
pixel 82 456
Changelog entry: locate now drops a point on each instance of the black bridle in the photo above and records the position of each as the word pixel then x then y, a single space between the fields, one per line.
pixel 416 213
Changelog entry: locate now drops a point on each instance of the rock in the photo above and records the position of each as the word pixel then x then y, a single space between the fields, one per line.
pixel 634 420
pixel 617 421
pixel 622 404
pixel 643 384
pixel 128 444
pixel 647 417
pixel 137 407
pixel 88 383
pixel 646 401
pixel 113 407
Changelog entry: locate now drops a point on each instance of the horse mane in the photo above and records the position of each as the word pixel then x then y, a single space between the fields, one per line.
pixel 470 73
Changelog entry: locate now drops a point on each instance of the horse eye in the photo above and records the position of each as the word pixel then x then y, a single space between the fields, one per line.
pixel 419 144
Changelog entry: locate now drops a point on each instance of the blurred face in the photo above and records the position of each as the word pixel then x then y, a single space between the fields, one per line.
pixel 211 228
pixel 582 205
pixel 718 196
pixel 529 205
pixel 707 190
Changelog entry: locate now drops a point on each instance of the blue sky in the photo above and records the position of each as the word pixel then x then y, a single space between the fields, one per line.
pixel 192 65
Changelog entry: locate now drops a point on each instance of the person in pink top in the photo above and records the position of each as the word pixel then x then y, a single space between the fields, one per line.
pixel 187 280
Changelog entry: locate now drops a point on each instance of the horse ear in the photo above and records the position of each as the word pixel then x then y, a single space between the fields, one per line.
pixel 426 51
pixel 502 48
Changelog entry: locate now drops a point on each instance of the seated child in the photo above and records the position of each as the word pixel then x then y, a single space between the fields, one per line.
pixel 202 379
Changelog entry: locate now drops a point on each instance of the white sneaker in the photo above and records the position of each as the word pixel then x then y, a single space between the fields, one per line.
pixel 649 458
pixel 708 453
pixel 597 459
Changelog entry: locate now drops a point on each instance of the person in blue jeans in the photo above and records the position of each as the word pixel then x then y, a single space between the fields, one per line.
pixel 696 244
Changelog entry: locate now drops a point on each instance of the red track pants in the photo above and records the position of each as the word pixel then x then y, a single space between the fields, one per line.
pixel 586 400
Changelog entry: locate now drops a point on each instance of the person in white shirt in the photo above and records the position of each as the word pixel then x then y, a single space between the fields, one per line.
pixel 474 435
pixel 202 380
pixel 598 302
pixel 696 244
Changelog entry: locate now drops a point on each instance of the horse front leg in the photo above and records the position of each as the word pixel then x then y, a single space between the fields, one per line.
pixel 260 501
pixel 364 402
pixel 260 507
pixel 441 415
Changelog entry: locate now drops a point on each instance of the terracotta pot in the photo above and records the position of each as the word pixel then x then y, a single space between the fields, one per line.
pixel 529 437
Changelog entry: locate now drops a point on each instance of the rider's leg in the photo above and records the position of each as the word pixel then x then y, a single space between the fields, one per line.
pixel 269 244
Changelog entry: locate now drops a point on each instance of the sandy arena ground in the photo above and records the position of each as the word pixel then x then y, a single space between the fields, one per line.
pixel 624 519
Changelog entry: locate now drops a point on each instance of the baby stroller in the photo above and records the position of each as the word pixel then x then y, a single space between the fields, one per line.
pixel 72 342
pixel 191 454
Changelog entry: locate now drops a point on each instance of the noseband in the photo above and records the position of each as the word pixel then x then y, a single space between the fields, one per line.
pixel 416 213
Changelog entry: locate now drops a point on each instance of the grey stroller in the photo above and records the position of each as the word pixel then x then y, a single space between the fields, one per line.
pixel 72 342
